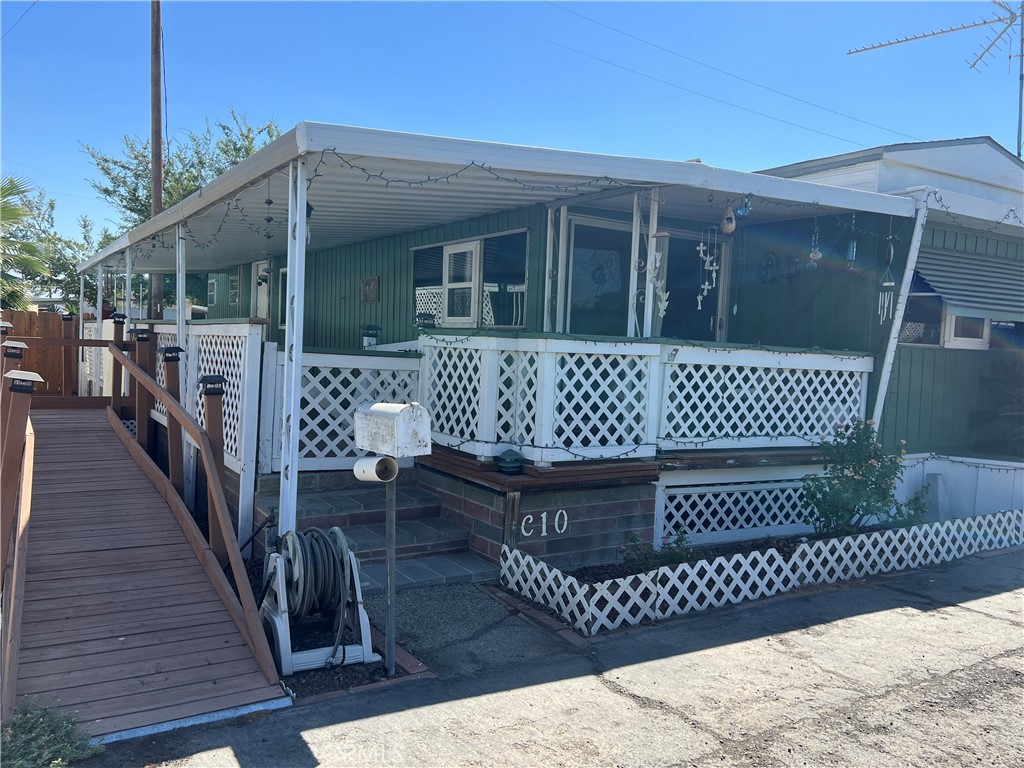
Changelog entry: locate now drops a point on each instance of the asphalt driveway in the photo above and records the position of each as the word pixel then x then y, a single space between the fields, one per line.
pixel 924 668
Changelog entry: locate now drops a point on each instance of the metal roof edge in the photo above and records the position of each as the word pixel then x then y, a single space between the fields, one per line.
pixel 265 160
pixel 417 147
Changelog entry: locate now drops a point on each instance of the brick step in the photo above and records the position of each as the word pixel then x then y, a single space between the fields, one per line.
pixel 413 539
pixel 362 506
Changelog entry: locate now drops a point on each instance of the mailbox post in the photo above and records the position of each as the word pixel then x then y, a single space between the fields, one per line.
pixel 392 431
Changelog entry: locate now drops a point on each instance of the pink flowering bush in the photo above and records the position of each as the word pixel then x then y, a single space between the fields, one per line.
pixel 859 484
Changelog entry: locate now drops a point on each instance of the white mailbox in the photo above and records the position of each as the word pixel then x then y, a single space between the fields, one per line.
pixel 393 429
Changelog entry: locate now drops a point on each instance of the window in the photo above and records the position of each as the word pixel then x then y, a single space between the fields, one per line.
pixel 965 332
pixel 233 290
pixel 211 292
pixel 282 297
pixel 929 321
pixel 478 283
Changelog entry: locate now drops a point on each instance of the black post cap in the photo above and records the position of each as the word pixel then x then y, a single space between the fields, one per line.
pixel 212 384
pixel 141 334
pixel 119 317
pixel 171 354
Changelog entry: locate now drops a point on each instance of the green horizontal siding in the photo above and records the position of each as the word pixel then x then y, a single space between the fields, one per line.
pixel 334 313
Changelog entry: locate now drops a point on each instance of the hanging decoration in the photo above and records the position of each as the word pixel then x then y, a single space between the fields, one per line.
pixel 728 225
pixel 887 294
pixel 815 254
pixel 743 211
pixel 659 272
pixel 268 218
pixel 708 253
pixel 851 244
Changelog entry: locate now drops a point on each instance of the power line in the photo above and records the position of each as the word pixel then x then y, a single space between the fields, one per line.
pixel 666 82
pixel 33 5
pixel 730 74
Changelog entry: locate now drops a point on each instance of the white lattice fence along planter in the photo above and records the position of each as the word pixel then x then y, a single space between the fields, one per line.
pixel 689 587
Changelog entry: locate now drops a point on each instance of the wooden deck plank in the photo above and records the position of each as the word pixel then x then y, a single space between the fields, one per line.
pixel 121 623
pixel 102 726
pixel 161 695
pixel 208 625
pixel 67 609
pixel 132 593
pixel 104 582
pixel 119 656
pixel 222 661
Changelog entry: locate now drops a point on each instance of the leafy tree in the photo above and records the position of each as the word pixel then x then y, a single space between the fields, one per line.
pixel 21 262
pixel 189 164
pixel 61 255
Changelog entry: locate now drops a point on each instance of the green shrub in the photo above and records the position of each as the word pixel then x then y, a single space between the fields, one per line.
pixel 36 737
pixel 859 484
pixel 641 558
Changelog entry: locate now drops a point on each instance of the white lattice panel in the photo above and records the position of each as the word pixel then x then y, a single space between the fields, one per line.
pixel 329 400
pixel 854 557
pixel 545 584
pixel 600 400
pixel 453 390
pixel 725 580
pixel 221 355
pixel 709 509
pixel 679 589
pixel 517 398
pixel 630 601
pixel 165 339
pixel 707 402
pixel 429 302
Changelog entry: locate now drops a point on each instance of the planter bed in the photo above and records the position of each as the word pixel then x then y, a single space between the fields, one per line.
pixel 673 590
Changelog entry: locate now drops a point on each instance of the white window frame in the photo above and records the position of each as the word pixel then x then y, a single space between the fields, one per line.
pixel 211 292
pixel 951 341
pixel 234 288
pixel 472 320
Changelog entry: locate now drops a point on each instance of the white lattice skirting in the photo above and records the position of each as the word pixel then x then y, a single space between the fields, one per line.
pixel 678 589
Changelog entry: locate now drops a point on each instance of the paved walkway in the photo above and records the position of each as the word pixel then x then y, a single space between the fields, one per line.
pixel 921 669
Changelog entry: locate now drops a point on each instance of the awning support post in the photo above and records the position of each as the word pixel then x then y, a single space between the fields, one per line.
pixel 294 307
pixel 901 306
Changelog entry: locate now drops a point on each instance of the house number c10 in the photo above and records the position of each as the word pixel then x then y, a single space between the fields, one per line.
pixel 560 523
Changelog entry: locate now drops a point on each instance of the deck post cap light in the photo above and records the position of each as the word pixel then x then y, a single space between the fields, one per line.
pixel 119 318
pixel 23 382
pixel 171 354
pixel 141 334
pixel 212 384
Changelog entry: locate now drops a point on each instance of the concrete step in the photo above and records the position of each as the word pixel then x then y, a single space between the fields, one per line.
pixel 413 539
pixel 428 571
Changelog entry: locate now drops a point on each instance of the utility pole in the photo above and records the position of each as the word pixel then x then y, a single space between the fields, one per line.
pixel 156 281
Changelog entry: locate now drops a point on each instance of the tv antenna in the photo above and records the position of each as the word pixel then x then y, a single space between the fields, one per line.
pixel 1002 22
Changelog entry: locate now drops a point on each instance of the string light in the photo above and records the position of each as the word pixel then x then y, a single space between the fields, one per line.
pixel 1010 216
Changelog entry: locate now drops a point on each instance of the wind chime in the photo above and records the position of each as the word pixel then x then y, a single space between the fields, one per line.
pixel 708 253
pixel 887 294
pixel 815 255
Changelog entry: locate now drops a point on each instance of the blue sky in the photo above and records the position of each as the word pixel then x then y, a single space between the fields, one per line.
pixel 77 73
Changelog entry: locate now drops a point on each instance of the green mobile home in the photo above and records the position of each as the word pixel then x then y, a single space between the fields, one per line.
pixel 649 346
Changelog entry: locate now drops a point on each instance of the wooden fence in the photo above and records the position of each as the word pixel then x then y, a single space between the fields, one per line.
pixel 47 360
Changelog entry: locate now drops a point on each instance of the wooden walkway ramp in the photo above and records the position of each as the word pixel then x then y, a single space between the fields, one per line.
pixel 121 624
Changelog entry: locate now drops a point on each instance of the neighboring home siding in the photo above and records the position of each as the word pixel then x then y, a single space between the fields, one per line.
pixel 949 400
pixel 334 313
pixel 974 243
pixel 223 309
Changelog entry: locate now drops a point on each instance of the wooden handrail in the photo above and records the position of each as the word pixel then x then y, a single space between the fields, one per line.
pixel 14 581
pixel 38 341
pixel 220 505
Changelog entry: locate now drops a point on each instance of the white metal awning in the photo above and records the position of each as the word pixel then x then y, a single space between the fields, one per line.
pixel 368 183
